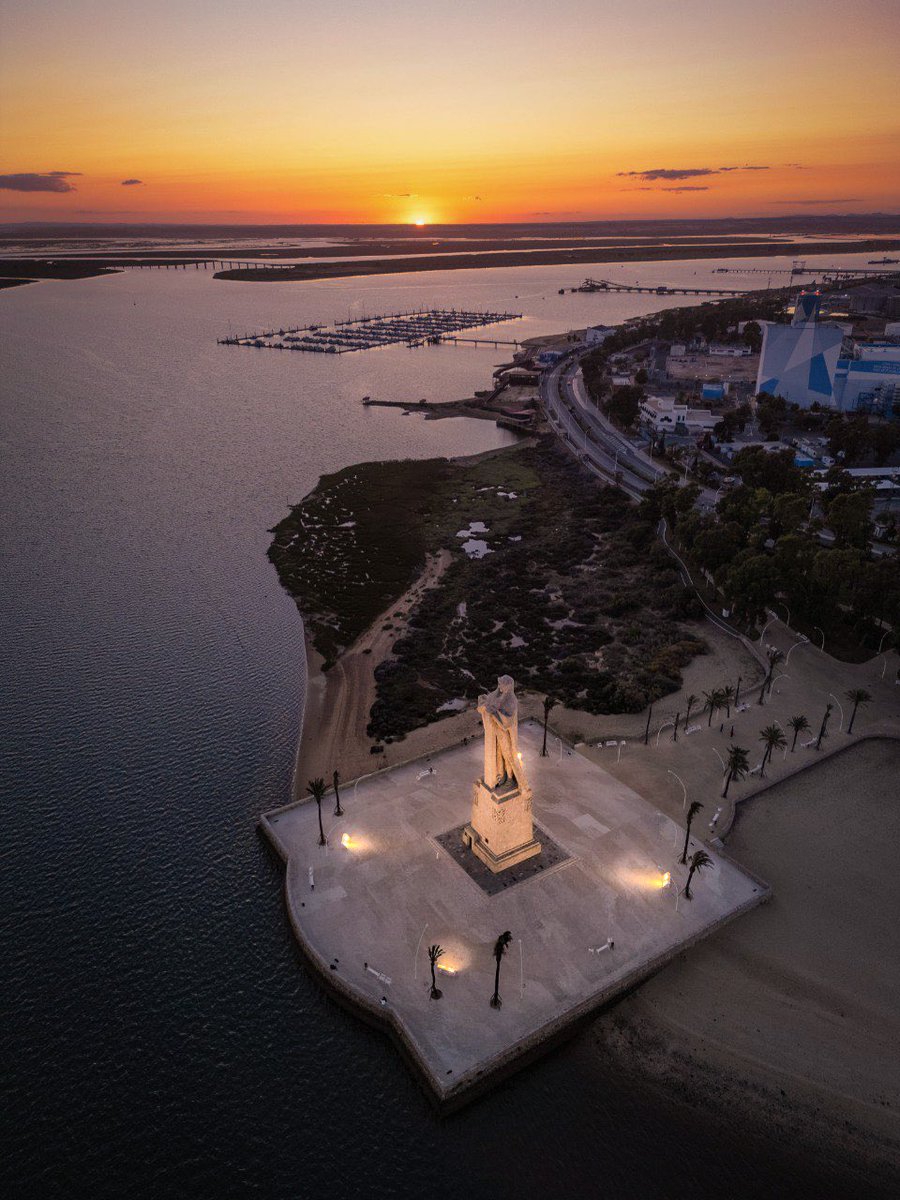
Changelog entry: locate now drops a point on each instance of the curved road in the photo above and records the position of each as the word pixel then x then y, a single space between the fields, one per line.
pixel 593 438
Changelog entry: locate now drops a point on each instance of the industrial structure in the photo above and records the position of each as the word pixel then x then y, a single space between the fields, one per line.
pixel 808 362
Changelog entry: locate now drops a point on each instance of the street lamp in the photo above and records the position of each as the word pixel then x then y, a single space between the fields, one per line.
pixel 683 788
pixel 840 710
pixel 822 631
pixel 664 725
pixel 800 642
pixel 765 627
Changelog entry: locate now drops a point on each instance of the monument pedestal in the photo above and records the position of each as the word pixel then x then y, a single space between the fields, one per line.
pixel 501 832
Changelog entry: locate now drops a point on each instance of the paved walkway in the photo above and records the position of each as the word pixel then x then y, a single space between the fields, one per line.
pixel 366 912
pixel 804 684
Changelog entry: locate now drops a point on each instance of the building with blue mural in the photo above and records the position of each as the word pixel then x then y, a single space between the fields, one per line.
pixel 804 362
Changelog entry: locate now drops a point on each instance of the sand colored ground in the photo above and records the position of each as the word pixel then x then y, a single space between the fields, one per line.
pixel 789 1019
pixel 713 367
pixel 338 701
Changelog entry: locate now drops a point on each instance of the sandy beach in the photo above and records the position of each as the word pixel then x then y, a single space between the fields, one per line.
pixel 788 1020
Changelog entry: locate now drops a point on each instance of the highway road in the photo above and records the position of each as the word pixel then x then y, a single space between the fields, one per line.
pixel 606 451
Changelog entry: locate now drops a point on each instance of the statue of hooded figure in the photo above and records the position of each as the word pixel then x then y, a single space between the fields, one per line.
pixel 500 715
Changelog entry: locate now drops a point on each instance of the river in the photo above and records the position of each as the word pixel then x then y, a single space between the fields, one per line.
pixel 160 1037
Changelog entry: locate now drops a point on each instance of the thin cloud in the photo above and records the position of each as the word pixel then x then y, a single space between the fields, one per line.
pixel 37 181
pixel 666 173
pixel 400 195
pixel 688 187
pixel 670 174
pixel 832 200
pixel 131 182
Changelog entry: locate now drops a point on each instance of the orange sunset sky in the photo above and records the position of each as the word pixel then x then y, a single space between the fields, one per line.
pixel 475 110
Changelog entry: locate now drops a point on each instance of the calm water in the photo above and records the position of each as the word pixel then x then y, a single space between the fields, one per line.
pixel 159 1036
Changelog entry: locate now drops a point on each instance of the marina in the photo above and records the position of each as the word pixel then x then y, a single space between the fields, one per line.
pixel 415 328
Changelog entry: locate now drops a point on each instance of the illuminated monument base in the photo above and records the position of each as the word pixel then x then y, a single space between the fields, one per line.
pixel 594 920
pixel 501 832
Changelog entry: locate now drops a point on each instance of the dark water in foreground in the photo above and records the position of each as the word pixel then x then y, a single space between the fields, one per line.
pixel 159 1037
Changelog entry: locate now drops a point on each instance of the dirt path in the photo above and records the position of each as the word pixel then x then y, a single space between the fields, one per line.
pixel 339 701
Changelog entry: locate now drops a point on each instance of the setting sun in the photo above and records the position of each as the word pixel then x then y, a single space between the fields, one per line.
pixel 419 221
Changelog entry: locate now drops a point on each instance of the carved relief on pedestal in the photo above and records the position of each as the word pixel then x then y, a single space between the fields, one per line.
pixel 501 832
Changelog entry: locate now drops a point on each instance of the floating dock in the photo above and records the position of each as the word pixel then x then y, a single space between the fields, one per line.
pixel 416 328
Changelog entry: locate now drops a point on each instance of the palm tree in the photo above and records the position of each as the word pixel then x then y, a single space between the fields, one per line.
pixel 317 791
pixel 775 657
pixel 338 811
pixel 712 702
pixel 691 813
pixel 799 725
pixel 772 738
pixel 647 726
pixel 691 701
pixel 699 860
pixel 737 691
pixel 824 726
pixel 434 953
pixel 738 766
pixel 499 950
pixel 858 696
pixel 727 695
pixel 549 705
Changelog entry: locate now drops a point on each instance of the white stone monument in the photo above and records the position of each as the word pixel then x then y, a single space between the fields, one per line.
pixel 501 832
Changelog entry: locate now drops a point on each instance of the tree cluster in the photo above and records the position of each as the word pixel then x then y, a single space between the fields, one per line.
pixel 762 547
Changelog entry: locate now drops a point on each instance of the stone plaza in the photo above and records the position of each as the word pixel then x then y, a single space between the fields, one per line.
pixel 601 908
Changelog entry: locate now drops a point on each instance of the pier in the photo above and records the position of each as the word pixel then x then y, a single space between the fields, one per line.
pixel 424 327
pixel 657 289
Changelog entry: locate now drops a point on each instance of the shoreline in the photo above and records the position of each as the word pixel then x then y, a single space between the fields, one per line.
pixel 782 1016
pixel 355 261
pixel 651 1035
pixel 540 258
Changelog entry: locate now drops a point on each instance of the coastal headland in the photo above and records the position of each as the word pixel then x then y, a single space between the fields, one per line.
pixel 514 538
pixel 597 919
pixel 413 576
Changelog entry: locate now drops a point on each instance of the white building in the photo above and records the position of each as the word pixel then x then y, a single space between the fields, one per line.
pixel 595 335
pixel 662 413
